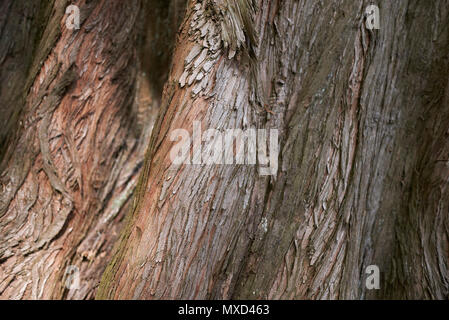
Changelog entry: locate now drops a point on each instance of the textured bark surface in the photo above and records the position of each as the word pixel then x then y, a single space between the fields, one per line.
pixel 77 112
pixel 363 120
pixel 363 168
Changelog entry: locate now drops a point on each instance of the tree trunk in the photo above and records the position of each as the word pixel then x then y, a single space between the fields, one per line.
pixel 363 165
pixel 77 108
pixel 362 118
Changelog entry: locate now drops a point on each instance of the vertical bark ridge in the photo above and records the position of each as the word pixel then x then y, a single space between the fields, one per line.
pixel 362 170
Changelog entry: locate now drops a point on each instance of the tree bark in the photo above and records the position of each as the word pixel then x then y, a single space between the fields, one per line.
pixel 363 164
pixel 77 108
pixel 363 122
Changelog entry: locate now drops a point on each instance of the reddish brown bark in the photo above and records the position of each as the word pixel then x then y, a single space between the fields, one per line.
pixel 79 108
pixel 363 165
